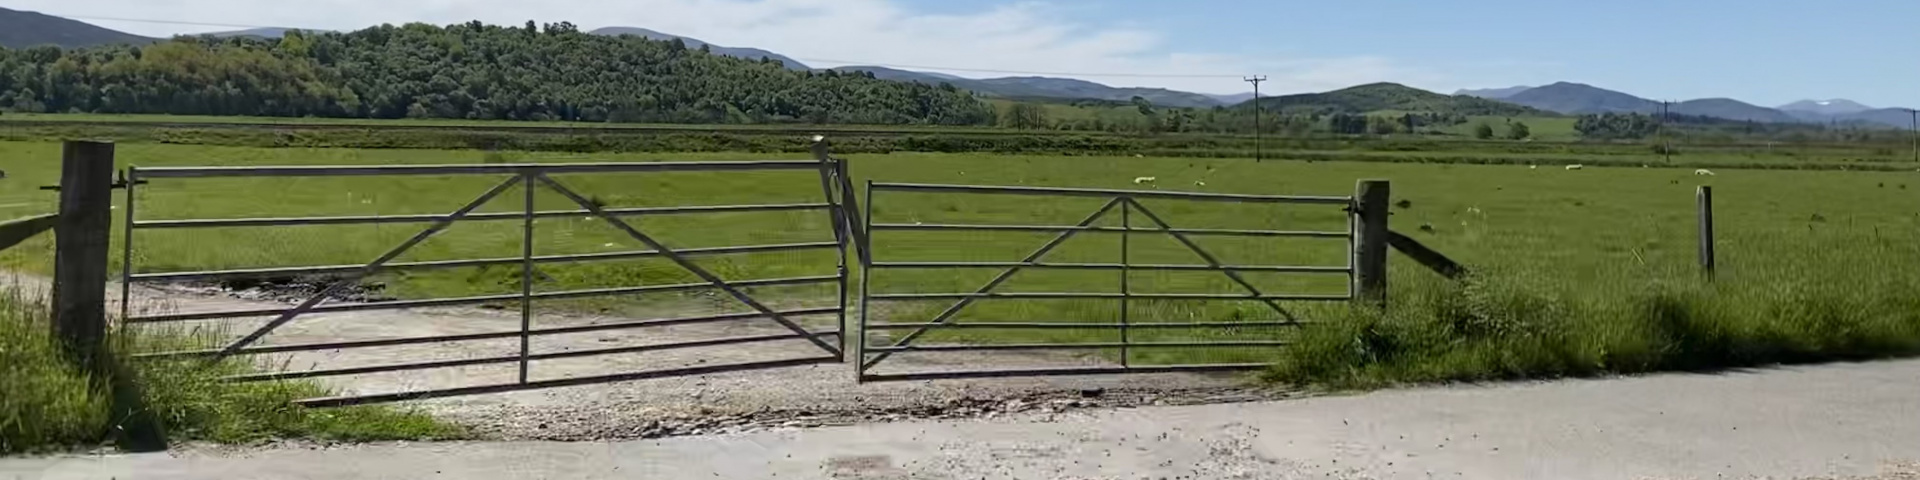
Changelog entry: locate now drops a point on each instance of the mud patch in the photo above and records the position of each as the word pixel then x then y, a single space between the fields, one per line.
pixel 291 289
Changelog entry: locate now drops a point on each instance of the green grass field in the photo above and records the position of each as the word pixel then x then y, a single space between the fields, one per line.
pixel 1554 142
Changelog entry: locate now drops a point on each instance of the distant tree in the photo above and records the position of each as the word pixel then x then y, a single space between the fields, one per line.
pixel 1518 131
pixel 1483 131
pixel 1025 115
pixel 1382 125
pixel 1142 104
pixel 1348 124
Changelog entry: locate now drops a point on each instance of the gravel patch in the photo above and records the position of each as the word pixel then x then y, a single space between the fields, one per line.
pixel 744 401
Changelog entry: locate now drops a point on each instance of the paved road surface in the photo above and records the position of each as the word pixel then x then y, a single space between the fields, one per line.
pixel 1831 421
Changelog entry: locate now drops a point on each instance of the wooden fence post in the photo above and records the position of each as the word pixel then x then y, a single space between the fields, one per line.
pixel 1704 196
pixel 80 250
pixel 1370 210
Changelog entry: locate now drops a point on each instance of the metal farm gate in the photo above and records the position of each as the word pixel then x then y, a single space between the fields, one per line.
pixel 870 337
pixel 1125 205
pixel 835 190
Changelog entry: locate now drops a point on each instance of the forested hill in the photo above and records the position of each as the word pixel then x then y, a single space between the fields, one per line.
pixel 470 71
pixel 1390 96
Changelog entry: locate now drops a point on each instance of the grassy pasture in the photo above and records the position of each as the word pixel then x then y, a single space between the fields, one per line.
pixel 1600 236
pixel 1553 143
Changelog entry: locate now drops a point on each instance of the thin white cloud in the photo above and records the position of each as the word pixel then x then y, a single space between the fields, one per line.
pixel 1026 37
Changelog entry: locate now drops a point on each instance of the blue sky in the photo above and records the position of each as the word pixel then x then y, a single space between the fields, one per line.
pixel 1767 52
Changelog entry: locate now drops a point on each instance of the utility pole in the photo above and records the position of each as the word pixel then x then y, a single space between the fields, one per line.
pixel 1915 113
pixel 1255 80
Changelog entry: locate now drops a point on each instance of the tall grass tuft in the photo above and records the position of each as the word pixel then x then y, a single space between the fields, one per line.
pixel 45 401
pixel 49 405
pixel 1507 325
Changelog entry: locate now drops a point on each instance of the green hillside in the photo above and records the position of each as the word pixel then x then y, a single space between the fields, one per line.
pixel 1375 97
pixel 463 71
pixel 22 29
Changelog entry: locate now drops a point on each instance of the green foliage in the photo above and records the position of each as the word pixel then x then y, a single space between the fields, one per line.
pixel 1383 125
pixel 464 71
pixel 1347 124
pixel 1608 126
pixel 1506 326
pixel 1518 131
pixel 1026 116
pixel 1483 131
pixel 49 405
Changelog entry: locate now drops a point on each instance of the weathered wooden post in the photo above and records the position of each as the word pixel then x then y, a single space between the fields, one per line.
pixel 1370 198
pixel 1704 196
pixel 80 250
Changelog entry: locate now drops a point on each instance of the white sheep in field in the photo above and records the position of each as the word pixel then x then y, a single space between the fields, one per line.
pixel 1142 180
pixel 1703 172
pixel 1575 166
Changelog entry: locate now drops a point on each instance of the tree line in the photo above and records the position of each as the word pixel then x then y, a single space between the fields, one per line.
pixel 463 71
pixel 1141 116
pixel 1636 126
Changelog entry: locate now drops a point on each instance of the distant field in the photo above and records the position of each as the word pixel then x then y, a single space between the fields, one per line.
pixel 1594 225
pixel 1544 129
pixel 1553 142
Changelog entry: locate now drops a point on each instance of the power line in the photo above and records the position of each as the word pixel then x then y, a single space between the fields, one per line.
pixel 818 60
pixel 173 22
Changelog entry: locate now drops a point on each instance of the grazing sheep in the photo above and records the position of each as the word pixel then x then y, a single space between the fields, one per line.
pixel 1575 166
pixel 1199 183
pixel 1703 172
pixel 1140 180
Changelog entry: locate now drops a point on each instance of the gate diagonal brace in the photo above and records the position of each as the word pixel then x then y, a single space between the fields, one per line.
pixel 1210 259
pixel 369 269
pixel 947 315
pixel 682 261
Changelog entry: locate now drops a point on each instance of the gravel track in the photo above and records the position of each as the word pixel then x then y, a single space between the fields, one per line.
pixel 741 401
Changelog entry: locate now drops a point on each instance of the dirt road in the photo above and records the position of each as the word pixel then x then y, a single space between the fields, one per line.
pixel 811 395
pixel 1832 421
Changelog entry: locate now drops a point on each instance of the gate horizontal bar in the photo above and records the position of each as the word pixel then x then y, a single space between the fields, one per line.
pixel 1116 266
pixel 1074 346
pixel 1075 326
pixel 559 382
pixel 442 302
pixel 1040 372
pixel 478 262
pixel 1096 192
pixel 1064 228
pixel 264 349
pixel 432 217
pixel 1072 295
pixel 479 169
pixel 516 358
